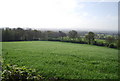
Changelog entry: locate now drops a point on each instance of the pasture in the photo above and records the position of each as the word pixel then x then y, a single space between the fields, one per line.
pixel 63 60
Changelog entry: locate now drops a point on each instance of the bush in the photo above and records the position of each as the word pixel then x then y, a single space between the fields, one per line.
pixel 112 46
pixel 15 73
pixel 80 41
pixel 54 39
pixel 98 43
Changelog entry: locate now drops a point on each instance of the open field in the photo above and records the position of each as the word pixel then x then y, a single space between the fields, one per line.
pixel 63 60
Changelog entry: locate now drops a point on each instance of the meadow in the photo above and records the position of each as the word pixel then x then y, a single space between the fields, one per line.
pixel 63 60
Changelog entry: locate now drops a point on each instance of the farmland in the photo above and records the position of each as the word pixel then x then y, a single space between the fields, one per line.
pixel 63 60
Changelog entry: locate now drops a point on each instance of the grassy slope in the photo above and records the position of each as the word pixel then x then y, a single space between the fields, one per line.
pixel 64 60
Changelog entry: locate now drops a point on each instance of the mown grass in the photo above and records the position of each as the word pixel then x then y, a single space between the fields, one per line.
pixel 63 60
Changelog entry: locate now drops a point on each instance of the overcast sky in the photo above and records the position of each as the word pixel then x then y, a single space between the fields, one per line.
pixel 60 14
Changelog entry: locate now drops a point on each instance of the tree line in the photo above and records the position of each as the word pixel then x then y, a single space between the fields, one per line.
pixel 20 34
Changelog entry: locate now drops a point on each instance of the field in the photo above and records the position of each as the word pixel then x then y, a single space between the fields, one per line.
pixel 63 60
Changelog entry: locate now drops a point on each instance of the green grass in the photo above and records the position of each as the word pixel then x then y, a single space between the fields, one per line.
pixel 63 60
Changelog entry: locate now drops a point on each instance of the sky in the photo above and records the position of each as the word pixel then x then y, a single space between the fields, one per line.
pixel 60 14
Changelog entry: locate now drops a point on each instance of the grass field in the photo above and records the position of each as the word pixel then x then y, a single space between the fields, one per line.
pixel 63 60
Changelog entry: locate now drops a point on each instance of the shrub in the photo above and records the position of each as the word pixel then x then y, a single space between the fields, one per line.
pixel 15 73
pixel 112 46
pixel 98 43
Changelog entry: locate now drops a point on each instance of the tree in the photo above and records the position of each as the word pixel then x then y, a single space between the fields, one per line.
pixel 52 34
pixel 7 34
pixel 90 37
pixel 62 34
pixel 44 35
pixel 73 34
pixel 110 39
pixel 18 34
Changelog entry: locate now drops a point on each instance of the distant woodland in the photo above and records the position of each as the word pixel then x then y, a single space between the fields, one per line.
pixel 19 34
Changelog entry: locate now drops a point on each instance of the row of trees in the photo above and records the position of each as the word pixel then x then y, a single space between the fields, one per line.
pixel 19 34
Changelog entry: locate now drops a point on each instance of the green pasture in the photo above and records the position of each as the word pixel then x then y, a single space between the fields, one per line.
pixel 63 60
